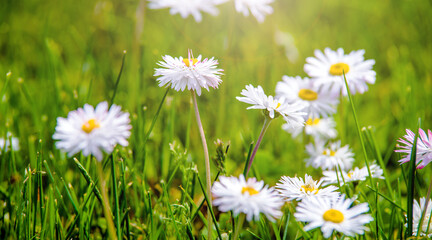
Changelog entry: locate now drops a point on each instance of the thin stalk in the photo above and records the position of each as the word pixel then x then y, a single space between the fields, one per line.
pixel 207 162
pixel 105 202
pixel 266 124
pixel 118 78
pixel 239 225
pixel 359 131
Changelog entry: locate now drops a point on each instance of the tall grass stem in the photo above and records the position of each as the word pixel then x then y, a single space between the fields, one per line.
pixel 266 124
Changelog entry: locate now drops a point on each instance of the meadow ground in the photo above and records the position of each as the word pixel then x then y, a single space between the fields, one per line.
pixel 56 56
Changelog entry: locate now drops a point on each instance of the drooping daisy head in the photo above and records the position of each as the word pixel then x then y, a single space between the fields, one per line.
pixel 328 69
pixel 9 143
pixel 423 151
pixel 356 174
pixel 329 156
pixel 426 226
pixel 93 130
pixel 298 189
pixel 273 106
pixel 258 8
pixel 187 7
pixel 317 102
pixel 250 197
pixel 333 214
pixel 191 73
pixel 320 129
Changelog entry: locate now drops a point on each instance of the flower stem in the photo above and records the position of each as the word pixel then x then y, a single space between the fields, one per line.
pixel 207 163
pixel 266 124
pixel 239 226
pixel 106 208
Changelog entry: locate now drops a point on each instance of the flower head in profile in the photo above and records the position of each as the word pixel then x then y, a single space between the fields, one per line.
pixel 191 73
pixel 423 151
pixel 329 156
pixel 250 197
pixel 258 8
pixel 9 143
pixel 93 130
pixel 317 103
pixel 333 214
pixel 298 189
pixel 187 7
pixel 426 226
pixel 321 129
pixel 274 106
pixel 328 69
pixel 356 174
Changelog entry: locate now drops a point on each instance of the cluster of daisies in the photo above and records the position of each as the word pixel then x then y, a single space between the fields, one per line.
pixel 258 8
pixel 306 105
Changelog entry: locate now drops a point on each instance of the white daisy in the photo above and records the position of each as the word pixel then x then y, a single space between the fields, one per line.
pixel 298 189
pixel 91 130
pixel 290 112
pixel 329 156
pixel 250 197
pixel 329 66
pixel 5 143
pixel 356 174
pixel 333 214
pixel 190 73
pixel 317 103
pixel 423 151
pixel 258 8
pixel 187 7
pixel 417 212
pixel 322 129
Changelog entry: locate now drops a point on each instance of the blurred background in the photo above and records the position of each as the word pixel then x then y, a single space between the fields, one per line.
pixel 63 54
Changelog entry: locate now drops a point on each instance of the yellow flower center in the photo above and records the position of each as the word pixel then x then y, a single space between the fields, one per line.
pixel 333 215
pixel 90 125
pixel 309 188
pixel 188 61
pixel 338 69
pixel 311 121
pixel 250 190
pixel 278 105
pixel 329 152
pixel 307 94
pixel 350 174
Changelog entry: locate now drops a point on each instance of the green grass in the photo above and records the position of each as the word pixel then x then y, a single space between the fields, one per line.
pixel 57 56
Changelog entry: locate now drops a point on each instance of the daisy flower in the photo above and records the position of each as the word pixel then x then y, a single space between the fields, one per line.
pixel 329 156
pixel 322 129
pixel 328 69
pixel 187 7
pixel 333 214
pixel 258 8
pixel 298 189
pixel 290 112
pixel 356 174
pixel 5 143
pixel 424 147
pixel 417 212
pixel 93 130
pixel 191 73
pixel 317 103
pixel 250 197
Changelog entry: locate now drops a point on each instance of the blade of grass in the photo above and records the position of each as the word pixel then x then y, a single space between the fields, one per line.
pixel 359 130
pixel 88 178
pixel 411 185
pixel 116 198
pixel 118 78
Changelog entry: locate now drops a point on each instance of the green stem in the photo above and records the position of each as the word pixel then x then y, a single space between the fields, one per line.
pixel 239 225
pixel 266 124
pixel 207 162
pixel 118 78
pixel 105 202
